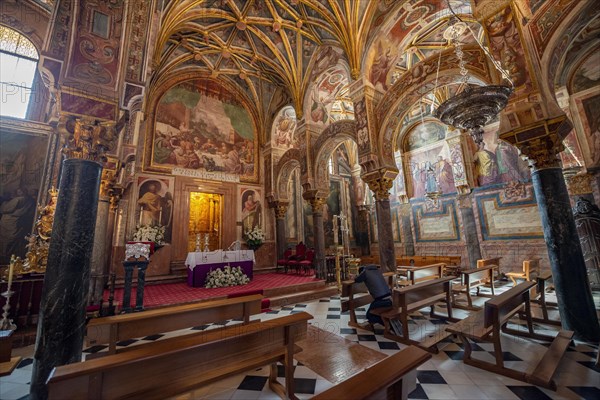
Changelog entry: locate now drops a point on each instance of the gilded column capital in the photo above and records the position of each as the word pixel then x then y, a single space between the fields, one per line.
pixel 381 187
pixel 115 194
pixel 579 184
pixel 540 142
pixel 280 208
pixel 107 181
pixel 86 138
pixel 317 204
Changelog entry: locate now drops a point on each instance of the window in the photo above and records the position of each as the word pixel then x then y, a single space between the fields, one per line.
pixel 18 62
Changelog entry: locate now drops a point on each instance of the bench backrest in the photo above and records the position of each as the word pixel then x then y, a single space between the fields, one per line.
pixel 488 261
pixel 380 381
pixel 426 272
pixel 421 292
pixel 350 288
pixel 427 260
pixel 180 364
pixel 500 308
pixel 159 320
pixel 531 267
pixel 477 275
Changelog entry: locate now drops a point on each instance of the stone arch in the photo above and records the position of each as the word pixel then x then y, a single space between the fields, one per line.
pixel 290 160
pixel 327 142
pixel 414 85
pixel 557 45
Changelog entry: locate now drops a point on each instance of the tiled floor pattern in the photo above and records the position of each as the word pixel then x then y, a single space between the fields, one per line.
pixel 442 377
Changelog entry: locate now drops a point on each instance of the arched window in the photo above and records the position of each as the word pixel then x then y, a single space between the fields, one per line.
pixel 18 62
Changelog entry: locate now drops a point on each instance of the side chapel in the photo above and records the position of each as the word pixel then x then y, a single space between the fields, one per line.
pixel 262 125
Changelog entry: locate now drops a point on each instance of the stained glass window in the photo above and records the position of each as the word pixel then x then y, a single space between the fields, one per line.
pixel 18 63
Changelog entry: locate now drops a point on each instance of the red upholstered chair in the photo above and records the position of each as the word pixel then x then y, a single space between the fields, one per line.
pixel 300 255
pixel 307 263
pixel 283 261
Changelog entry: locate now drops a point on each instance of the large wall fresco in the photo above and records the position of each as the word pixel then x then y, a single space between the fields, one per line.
pixel 202 127
pixel 495 161
pixel 587 74
pixel 588 105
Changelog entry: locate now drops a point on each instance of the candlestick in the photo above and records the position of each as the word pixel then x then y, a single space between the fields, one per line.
pixel 335 230
pixel 10 274
pixel 160 216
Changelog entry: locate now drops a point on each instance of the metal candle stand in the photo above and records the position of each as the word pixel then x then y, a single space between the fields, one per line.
pixel 7 323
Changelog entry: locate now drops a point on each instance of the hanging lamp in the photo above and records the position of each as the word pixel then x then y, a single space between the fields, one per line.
pixel 476 106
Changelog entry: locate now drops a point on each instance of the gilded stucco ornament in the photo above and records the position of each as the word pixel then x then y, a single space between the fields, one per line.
pixel 381 187
pixel 579 184
pixel 86 138
pixel 281 210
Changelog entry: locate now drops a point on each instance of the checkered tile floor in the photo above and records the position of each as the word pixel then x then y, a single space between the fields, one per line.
pixel 442 377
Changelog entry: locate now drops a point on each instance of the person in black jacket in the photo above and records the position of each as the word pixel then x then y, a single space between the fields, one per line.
pixel 373 278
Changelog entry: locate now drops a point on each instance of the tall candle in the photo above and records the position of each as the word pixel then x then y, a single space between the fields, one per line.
pixel 141 212
pixel 159 216
pixel 10 274
pixel 335 230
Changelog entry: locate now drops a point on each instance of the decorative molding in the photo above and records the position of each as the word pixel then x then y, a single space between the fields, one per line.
pixel 579 184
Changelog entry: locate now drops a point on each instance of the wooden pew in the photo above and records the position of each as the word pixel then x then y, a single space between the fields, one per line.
pixel 412 298
pixel 531 269
pixel 486 325
pixel 540 298
pixel 471 279
pixel 113 329
pixel 419 261
pixel 350 289
pixel 484 262
pixel 421 274
pixel 393 378
pixel 181 364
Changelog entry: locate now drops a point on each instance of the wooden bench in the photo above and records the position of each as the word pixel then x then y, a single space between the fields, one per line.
pixel 471 279
pixel 113 329
pixel 392 378
pixel 486 325
pixel 7 362
pixel 181 364
pixel 484 262
pixel 531 269
pixel 540 298
pixel 412 298
pixel 419 261
pixel 350 289
pixel 420 274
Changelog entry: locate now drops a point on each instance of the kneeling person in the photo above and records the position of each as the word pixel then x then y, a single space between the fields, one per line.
pixel 378 288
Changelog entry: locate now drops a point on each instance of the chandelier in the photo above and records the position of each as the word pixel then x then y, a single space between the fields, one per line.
pixel 476 106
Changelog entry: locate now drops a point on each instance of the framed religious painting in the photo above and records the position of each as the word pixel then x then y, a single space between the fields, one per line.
pixel 25 177
pixel 250 207
pixel 153 203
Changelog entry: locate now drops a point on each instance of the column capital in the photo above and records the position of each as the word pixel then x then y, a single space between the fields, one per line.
pixel 107 181
pixel 464 200
pixel 579 184
pixel 541 141
pixel 381 187
pixel 317 204
pixel 115 194
pixel 86 138
pixel 280 208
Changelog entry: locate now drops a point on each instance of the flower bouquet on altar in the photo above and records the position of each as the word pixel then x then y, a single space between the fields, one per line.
pixel 254 237
pixel 226 276
pixel 152 234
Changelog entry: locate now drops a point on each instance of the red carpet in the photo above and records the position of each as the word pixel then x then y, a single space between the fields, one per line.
pixel 176 293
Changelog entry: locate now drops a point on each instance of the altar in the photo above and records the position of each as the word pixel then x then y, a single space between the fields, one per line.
pixel 201 263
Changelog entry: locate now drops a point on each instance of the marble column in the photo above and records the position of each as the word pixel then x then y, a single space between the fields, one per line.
pixel 408 240
pixel 317 211
pixel 99 255
pixel 362 229
pixel 280 213
pixel 575 303
pixel 469 229
pixel 61 324
pixel 380 188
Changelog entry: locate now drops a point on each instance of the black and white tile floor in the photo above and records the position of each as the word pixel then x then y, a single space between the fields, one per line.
pixel 444 376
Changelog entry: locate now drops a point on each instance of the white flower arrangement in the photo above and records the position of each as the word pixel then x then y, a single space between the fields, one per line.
pixel 254 237
pixel 147 233
pixel 226 276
